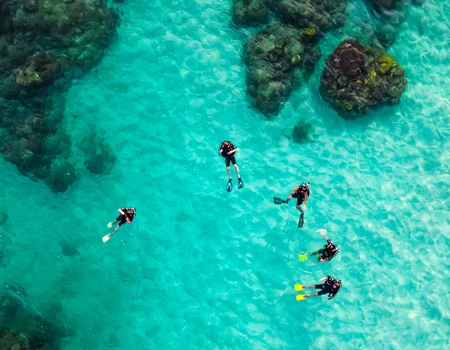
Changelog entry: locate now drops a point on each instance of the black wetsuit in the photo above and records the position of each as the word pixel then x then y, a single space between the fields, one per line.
pixel 329 251
pixel 128 214
pixel 301 194
pixel 329 287
pixel 225 149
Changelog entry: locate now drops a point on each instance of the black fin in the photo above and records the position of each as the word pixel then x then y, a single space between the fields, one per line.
pixel 278 200
pixel 229 186
pixel 301 220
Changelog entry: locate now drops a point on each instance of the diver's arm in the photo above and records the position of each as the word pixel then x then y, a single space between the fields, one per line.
pixel 121 211
pixel 232 151
pixel 323 279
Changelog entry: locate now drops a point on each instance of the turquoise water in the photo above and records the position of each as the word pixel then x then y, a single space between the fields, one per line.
pixel 203 268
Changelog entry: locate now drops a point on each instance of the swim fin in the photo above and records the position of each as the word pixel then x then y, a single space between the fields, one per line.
pixel 303 257
pixel 298 287
pixel 240 183
pixel 229 186
pixel 110 224
pixel 301 220
pixel 278 200
pixel 300 297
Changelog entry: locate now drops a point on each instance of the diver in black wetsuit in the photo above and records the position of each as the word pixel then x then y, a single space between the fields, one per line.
pixel 302 194
pixel 331 286
pixel 126 215
pixel 328 252
pixel 227 150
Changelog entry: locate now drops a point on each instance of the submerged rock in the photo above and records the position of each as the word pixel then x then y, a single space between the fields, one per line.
pixel 62 176
pixel 356 78
pixel 68 249
pixel 3 217
pixel 300 133
pixel 100 158
pixel 272 57
pixel 386 34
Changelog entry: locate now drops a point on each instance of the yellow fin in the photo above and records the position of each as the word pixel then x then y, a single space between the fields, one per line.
pixel 300 297
pixel 298 287
pixel 303 257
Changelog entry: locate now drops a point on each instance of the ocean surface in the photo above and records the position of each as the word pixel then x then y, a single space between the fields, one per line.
pixel 201 268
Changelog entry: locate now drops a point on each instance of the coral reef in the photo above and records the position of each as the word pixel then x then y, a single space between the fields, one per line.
pixel 356 78
pixel 391 14
pixel 384 5
pixel 274 53
pixel 40 69
pixel 12 341
pixel 272 56
pixel 22 328
pixel 250 12
pixel 321 15
pixel 44 45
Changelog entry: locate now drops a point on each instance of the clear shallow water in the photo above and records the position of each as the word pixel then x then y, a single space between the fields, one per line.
pixel 202 268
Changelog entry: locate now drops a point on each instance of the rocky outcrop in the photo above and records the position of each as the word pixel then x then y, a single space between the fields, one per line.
pixel 100 158
pixel 356 78
pixel 300 133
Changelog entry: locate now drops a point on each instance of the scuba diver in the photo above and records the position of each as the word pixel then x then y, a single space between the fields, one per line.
pixel 327 253
pixel 126 215
pixel 331 286
pixel 302 194
pixel 227 150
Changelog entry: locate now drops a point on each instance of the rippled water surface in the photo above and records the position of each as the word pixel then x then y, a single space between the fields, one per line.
pixel 203 268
